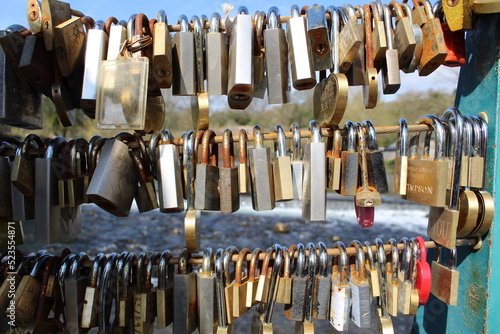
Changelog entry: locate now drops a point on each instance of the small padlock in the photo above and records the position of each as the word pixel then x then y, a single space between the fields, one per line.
pixel 314 183
pixel 350 162
pixel 162 51
pixel 295 310
pixel 217 58
pixel 454 40
pixel 145 197
pixel 392 283
pixel 89 311
pixel 23 173
pixel 360 288
pixel 445 278
pixel 404 38
pixel 375 158
pixel 379 35
pixel 185 306
pixel 384 319
pixel 105 292
pixel 207 193
pixel 228 177
pixel 224 326
pixel 73 286
pixel 282 168
pixel 322 286
pixel 207 311
pixel 243 172
pixel 391 80
pixel 417 32
pixel 297 163
pixel 299 51
pixel 276 60
pixel 373 273
pixel 341 291
pixel 240 80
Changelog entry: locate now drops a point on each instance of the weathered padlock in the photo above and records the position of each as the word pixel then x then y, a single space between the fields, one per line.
pixel 317 30
pixel 295 310
pixel 228 177
pixel 89 310
pixel 107 189
pixel 370 88
pixel 162 51
pixel 379 35
pixel 391 80
pixel 322 285
pixel 377 176
pixel 145 198
pixel 404 38
pixel 23 172
pixel 185 306
pixel 261 173
pixel 207 308
pixel 350 162
pixel 417 32
pixel 243 171
pixel 74 293
pixel 53 13
pixel 314 184
pixel 341 291
pixel 259 68
pixel 207 194
pixel 105 293
pixel 360 289
pixel 299 51
pixel 217 58
pixel 276 57
pixel 240 80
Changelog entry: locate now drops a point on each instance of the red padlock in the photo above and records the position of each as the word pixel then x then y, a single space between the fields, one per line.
pixel 364 215
pixel 455 43
pixel 424 277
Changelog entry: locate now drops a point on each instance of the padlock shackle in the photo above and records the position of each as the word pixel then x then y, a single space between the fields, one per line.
pixel 227 149
pixel 340 263
pixel 126 276
pixel 294 11
pixel 322 259
pixel 376 12
pixel 96 272
pixel 183 23
pixel 394 258
pixel 161 17
pixel 107 275
pixel 54 147
pixel 439 131
pixel 286 262
pixel 280 143
pixel 351 138
pixel 406 259
pixel 253 265
pixel 359 261
pixel 148 286
pixel 164 264
pixel 141 23
pixel 396 7
pixel 238 271
pixel 39 264
pixel 258 138
pixel 228 254
pixel 76 264
pixel 28 142
pixel 6 146
pixel 273 18
pixel 79 145
pixel 215 22
pixel 208 150
pixel 372 135
pixel 107 26
pixel 295 143
pixel 273 284
pixel 388 27
pixel 265 264
pixel 407 12
pixel 315 129
pixel 368 25
pixel 371 256
pixel 197 28
pixel 402 145
pixel 242 10
pixel 208 263
pixel 258 22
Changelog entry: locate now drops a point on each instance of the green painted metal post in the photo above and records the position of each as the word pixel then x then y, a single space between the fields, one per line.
pixel 478 309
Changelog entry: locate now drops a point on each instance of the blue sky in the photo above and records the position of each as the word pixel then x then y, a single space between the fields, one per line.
pixel 14 11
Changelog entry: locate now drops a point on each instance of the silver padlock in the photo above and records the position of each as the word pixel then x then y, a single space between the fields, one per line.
pixel 299 51
pixel 169 171
pixel 297 163
pixel 107 189
pixel 117 35
pixel 207 310
pixel 53 224
pixel 314 184
pixel 341 291
pixel 217 57
pixel 278 85
pixel 317 30
pixel 390 71
pixel 261 173
pixel 240 80
pixel 183 60
pixel 185 311
pixel 96 50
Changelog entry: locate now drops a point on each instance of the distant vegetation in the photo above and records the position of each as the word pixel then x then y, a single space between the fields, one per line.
pixel 300 111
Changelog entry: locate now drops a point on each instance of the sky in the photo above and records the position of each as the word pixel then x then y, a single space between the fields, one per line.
pixel 14 11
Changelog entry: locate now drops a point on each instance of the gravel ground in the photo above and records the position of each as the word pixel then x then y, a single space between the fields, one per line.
pixel 153 231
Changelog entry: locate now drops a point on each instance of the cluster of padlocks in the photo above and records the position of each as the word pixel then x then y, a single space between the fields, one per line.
pixel 114 70
pixel 206 293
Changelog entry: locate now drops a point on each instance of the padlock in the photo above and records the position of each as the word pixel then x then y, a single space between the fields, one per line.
pixel 295 310
pixel 461 15
pixel 53 224
pixel 105 285
pixel 428 179
pixel 443 221
pixel 401 159
pixel 370 88
pixel 185 306
pixel 297 163
pixel 360 288
pixel 261 173
pixel 314 183
pixel 168 168
pixel 322 285
pixel 74 293
pixel 405 285
pixel 125 292
pixel 207 303
pixel 243 172
pixel 445 278
pixel 341 291
pixel 12 44
pixel 192 217
pixel 106 189
pixel 434 49
pixel 183 61
pixel 119 107
pixel 145 197
pixel 258 54
pixel 223 326
pixel 284 294
pixel 282 168
pixel 276 57
pixel 379 36
pixel 229 282
pixel 27 293
pixel 207 195
pixel 262 289
pixel 240 79
pixel 13 279
pixel 228 177
pixel 162 51
pixel 91 297
pixel 34 15
pixel 392 283
pixel 333 160
pixel 199 45
pixel 78 182
pixel 404 38
pixel 239 293
pixel 53 13
pixel 417 33
pixel 350 162
pixel 377 176
pixel 317 31
pixel 371 267
pixel 145 300
pixel 217 58
pixel 23 173
pixel 384 320
pixel 330 95
pixel 354 73
pixel 299 51
pixel 252 278
pixel 423 277
pixel 5 184
pixel 25 112
pixel 454 40
pixel 95 51
pixel 70 40
pixel 391 80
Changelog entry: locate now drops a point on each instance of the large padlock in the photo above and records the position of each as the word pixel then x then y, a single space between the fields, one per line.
pixel 20 104
pixel 228 177
pixel 53 13
pixel 207 194
pixel 278 85
pixel 240 80
pixel 217 56
pixel 317 31
pixel 107 189
pixel 23 172
pixel 145 197
pixel 183 61
pixel 162 51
